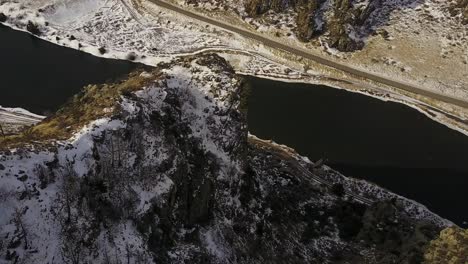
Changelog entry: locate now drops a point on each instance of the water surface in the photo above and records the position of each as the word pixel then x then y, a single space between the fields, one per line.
pixel 39 76
pixel 387 143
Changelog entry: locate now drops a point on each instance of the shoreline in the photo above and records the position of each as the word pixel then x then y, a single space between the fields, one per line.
pixel 440 116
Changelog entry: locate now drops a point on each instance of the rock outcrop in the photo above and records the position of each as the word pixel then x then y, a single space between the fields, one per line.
pixel 344 23
pixel 460 8
pixel 159 168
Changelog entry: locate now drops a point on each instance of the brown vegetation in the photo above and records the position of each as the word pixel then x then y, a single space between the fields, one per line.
pixel 93 102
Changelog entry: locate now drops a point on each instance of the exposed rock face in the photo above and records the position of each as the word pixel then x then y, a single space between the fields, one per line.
pixel 163 171
pixel 461 7
pixel 343 24
pixel 258 7
pixel 451 247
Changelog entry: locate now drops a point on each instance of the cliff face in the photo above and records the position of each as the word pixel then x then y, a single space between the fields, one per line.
pixel 159 168
pixel 343 21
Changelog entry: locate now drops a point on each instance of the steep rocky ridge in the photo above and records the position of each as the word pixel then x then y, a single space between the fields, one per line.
pixel 159 168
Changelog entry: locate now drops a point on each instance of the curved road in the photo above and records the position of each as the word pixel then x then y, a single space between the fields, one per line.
pixel 319 59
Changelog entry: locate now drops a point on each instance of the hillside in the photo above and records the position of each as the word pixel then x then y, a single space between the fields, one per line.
pixel 345 25
pixel 159 168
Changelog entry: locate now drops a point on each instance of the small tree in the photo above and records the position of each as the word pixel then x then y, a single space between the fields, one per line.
pixel 338 189
pixel 33 28
pixel 1 131
pixel 21 227
pixel 3 18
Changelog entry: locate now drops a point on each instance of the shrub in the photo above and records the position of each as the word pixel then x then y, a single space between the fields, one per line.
pixel 102 50
pixel 338 189
pixel 3 17
pixel 33 28
pixel 131 56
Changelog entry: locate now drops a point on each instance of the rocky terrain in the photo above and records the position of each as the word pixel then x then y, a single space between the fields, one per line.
pixel 345 21
pixel 345 25
pixel 159 168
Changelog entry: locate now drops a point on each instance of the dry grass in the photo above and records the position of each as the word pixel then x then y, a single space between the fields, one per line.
pixel 93 102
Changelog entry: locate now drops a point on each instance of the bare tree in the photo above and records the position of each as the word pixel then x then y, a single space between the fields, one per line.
pixel 106 259
pixel 69 189
pixel 27 191
pixel 128 253
pixel 72 249
pixel 21 227
pixel 1 131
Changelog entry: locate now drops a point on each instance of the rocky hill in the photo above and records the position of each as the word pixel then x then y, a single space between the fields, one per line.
pixel 159 168
pixel 343 20
pixel 344 25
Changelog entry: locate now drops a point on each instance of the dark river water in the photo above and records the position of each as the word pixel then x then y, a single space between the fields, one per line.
pixel 387 143
pixel 39 76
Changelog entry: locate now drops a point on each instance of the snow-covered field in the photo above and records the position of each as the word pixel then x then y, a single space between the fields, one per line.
pixel 13 120
pixel 141 31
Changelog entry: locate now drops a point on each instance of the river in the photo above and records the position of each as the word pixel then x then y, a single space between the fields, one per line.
pixel 38 75
pixel 388 143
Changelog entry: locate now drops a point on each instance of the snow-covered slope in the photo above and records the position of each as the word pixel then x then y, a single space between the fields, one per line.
pixel 159 168
pixel 85 197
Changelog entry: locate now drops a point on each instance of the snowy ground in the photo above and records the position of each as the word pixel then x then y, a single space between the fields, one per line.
pixel 141 31
pixel 202 96
pixel 423 43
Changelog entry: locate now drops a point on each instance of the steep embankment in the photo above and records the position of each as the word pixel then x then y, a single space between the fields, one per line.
pixel 159 168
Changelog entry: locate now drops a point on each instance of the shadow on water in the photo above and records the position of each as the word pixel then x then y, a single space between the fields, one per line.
pixel 40 76
pixel 387 143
